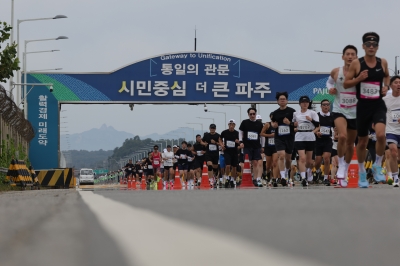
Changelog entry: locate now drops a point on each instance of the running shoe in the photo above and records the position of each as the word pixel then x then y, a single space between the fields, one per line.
pixel 304 183
pixel 362 180
pixel 226 184
pixel 259 183
pixel 379 176
pixel 341 172
pixel 396 183
pixel 327 183
pixel 171 185
pixel 283 182
pixel 342 182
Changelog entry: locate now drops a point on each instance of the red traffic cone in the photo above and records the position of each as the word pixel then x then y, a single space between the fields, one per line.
pixel 246 177
pixel 353 169
pixel 129 182
pixel 205 183
pixel 160 184
pixel 177 181
pixel 143 185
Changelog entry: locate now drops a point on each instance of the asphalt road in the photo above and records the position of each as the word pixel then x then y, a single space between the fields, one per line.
pixel 315 226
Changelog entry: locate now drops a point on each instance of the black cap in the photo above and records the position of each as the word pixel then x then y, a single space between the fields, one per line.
pixel 304 98
pixel 168 146
pixel 213 126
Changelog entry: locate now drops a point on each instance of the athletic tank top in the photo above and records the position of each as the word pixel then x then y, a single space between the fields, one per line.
pixel 369 91
pixel 345 100
pixel 270 141
pixel 156 160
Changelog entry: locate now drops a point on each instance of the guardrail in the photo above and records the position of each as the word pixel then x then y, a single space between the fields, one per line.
pixel 3 170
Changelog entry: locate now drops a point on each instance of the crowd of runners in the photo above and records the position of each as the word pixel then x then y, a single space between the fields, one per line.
pixel 305 145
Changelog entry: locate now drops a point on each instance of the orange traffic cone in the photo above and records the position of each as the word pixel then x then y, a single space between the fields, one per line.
pixel 205 183
pixel 160 184
pixel 177 181
pixel 246 177
pixel 353 170
pixel 129 182
pixel 143 186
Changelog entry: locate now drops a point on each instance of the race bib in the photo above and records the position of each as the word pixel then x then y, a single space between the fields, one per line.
pixel 348 99
pixel 156 162
pixel 325 130
pixel 283 130
pixel 304 126
pixel 129 169
pixel 199 153
pixel 252 135
pixel 190 159
pixel 230 144
pixel 149 166
pixel 183 156
pixel 140 171
pixel 395 116
pixel 369 90
pixel 271 141
pixel 212 147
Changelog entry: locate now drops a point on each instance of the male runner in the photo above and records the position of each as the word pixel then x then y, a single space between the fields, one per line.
pixel 229 142
pixel 129 169
pixel 324 140
pixel 182 156
pixel 369 74
pixel 392 102
pixel 155 158
pixel 210 141
pixel 252 142
pixel 169 174
pixel 190 159
pixel 284 140
pixel 199 150
pixel 344 112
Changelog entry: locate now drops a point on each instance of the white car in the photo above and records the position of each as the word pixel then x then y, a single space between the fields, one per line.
pixel 86 176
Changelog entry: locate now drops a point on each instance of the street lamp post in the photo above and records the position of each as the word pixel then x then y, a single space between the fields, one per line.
pixel 219 113
pixel 19 21
pixel 25 81
pixel 240 114
pixel 395 65
pixel 202 132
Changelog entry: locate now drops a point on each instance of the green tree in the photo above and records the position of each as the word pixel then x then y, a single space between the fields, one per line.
pixel 8 56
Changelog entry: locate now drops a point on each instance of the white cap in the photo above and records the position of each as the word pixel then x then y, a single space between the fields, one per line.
pixel 258 117
pixel 174 146
pixel 232 121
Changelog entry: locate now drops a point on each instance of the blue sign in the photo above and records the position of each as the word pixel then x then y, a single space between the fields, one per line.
pixel 186 77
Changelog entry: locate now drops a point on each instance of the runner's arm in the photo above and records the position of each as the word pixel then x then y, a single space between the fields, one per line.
pixel 350 79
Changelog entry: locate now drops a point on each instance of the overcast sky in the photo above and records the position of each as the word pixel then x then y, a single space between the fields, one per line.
pixel 105 35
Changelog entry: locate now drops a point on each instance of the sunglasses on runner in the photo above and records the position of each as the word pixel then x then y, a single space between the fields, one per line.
pixel 252 113
pixel 369 44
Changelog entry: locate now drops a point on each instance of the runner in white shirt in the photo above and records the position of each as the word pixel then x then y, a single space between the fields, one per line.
pixel 392 102
pixel 167 158
pixel 306 121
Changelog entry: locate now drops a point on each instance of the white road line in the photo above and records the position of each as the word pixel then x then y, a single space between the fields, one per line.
pixel 147 238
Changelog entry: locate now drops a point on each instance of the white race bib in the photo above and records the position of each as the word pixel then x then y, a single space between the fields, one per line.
pixel 283 130
pixel 149 166
pixel 348 99
pixel 369 90
pixel 271 141
pixel 129 169
pixel 395 116
pixel 304 126
pixel 199 153
pixel 212 147
pixel 230 144
pixel 190 159
pixel 252 135
pixel 183 156
pixel 156 162
pixel 325 130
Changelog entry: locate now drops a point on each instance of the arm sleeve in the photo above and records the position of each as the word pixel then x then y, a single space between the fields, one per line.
pixel 262 142
pixel 330 83
pixel 240 135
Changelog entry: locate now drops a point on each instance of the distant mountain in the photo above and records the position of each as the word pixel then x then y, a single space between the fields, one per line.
pixel 105 137
pixel 181 133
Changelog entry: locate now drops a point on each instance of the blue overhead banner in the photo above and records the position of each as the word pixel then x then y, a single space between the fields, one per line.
pixel 187 77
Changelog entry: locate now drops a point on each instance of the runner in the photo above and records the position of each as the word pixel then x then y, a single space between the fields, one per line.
pixel 261 167
pixel 210 141
pixel 392 102
pixel 129 169
pixel 199 150
pixel 284 140
pixel 229 142
pixel 190 158
pixel 169 174
pixel 334 156
pixel 182 156
pixel 270 152
pixel 344 112
pixel 252 143
pixel 369 74
pixel 306 121
pixel 155 158
pixel 324 141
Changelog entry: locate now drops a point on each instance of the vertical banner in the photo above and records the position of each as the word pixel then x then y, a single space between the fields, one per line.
pixel 44 117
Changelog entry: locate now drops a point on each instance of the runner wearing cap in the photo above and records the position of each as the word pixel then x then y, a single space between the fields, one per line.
pixel 252 143
pixel 369 74
pixel 393 126
pixel 129 168
pixel 182 156
pixel 210 141
pixel 284 140
pixel 306 121
pixel 324 140
pixel 229 142
pixel 199 150
pixel 167 158
pixel 270 152
pixel 344 113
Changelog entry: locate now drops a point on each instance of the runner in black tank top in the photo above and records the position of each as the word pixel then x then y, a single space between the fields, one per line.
pixel 272 157
pixel 369 74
